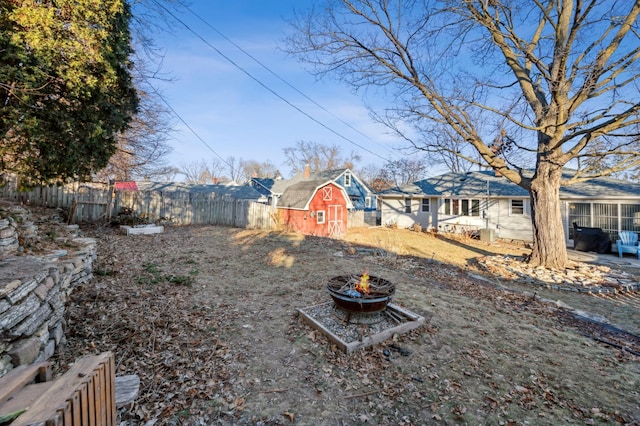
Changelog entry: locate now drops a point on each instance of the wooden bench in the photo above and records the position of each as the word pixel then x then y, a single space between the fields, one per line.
pixel 84 395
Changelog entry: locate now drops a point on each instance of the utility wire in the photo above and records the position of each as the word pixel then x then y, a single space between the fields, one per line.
pixel 283 79
pixel 164 100
pixel 264 85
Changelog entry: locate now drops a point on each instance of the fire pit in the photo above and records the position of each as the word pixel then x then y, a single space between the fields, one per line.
pixel 365 301
pixel 360 293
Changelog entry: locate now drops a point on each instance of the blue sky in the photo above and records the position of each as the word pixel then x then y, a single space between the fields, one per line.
pixel 237 116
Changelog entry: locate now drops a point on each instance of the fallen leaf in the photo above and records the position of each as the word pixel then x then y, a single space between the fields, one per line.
pixel 289 415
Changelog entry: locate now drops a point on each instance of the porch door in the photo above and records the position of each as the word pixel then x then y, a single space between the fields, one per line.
pixel 334 220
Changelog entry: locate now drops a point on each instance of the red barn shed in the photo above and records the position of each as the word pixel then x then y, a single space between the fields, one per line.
pixel 315 208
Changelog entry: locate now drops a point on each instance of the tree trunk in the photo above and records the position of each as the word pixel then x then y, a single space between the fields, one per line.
pixel 549 245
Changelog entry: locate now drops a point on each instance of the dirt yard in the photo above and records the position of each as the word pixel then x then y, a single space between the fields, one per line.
pixel 206 316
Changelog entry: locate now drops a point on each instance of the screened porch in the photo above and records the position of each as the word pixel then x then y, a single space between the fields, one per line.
pixel 611 217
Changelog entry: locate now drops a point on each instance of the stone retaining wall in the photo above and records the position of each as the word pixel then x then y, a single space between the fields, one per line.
pixel 34 290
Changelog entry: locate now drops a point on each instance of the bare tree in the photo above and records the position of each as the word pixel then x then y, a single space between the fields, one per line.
pixel 318 157
pixel 194 172
pixel 375 177
pixel 203 172
pixel 234 168
pixel 264 169
pixel 405 170
pixel 530 86
pixel 143 148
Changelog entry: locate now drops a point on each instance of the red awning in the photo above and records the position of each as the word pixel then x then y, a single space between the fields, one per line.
pixel 126 186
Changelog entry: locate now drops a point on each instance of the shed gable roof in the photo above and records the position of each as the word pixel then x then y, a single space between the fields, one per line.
pixel 299 195
pixel 279 186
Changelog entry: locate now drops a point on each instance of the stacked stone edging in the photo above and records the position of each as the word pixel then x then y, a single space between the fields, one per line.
pixel 34 290
pixel 581 278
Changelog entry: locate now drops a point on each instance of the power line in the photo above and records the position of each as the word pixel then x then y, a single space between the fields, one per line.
pixel 264 85
pixel 283 79
pixel 164 100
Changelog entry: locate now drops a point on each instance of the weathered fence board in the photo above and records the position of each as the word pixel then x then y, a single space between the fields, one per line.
pixel 96 202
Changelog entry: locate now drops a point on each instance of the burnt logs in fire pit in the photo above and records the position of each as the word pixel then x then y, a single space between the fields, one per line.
pixel 360 293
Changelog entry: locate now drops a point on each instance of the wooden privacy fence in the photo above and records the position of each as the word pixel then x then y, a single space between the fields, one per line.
pixel 95 202
pixel 90 201
pixel 188 208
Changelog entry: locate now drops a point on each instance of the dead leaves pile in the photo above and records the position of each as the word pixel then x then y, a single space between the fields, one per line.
pixel 158 333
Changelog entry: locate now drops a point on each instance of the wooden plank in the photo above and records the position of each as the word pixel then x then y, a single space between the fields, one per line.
pixel 383 335
pixel 62 389
pixel 76 407
pixel 91 408
pixel 335 339
pixel 399 309
pixel 84 402
pixel 56 420
pixel 98 389
pixel 111 389
pixel 413 321
pixel 68 413
pixel 23 398
pixel 20 376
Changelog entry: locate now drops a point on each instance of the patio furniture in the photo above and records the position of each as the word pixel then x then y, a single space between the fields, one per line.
pixel 591 239
pixel 628 243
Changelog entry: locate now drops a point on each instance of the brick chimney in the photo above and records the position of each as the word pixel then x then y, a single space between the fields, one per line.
pixel 307 171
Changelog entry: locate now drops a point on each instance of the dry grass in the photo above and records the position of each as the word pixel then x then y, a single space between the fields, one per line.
pixel 453 249
pixel 229 348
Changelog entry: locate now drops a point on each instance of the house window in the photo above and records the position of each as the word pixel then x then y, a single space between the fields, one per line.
pixel 455 206
pixel 320 217
pixel 347 179
pixel 517 207
pixel 407 205
pixel 425 205
pixel 367 202
pixel 470 207
pixel 464 207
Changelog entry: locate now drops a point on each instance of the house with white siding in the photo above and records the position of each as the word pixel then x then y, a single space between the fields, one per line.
pixel 481 200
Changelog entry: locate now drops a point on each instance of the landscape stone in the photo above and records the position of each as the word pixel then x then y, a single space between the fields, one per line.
pixel 32 322
pixel 22 291
pixel 578 277
pixel 32 297
pixel 4 305
pixel 41 291
pixel 19 312
pixel 8 233
pixel 25 352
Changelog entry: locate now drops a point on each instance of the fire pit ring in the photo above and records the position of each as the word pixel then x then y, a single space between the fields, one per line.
pixel 343 291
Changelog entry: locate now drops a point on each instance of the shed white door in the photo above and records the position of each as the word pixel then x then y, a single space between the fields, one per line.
pixel 334 220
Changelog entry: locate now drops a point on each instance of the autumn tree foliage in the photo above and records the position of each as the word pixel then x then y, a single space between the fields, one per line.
pixel 65 86
pixel 528 88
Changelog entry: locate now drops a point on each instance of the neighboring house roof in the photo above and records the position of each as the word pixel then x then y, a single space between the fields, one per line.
pixel 465 185
pixel 484 183
pixel 278 186
pixel 263 185
pixel 241 192
pixel 299 195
